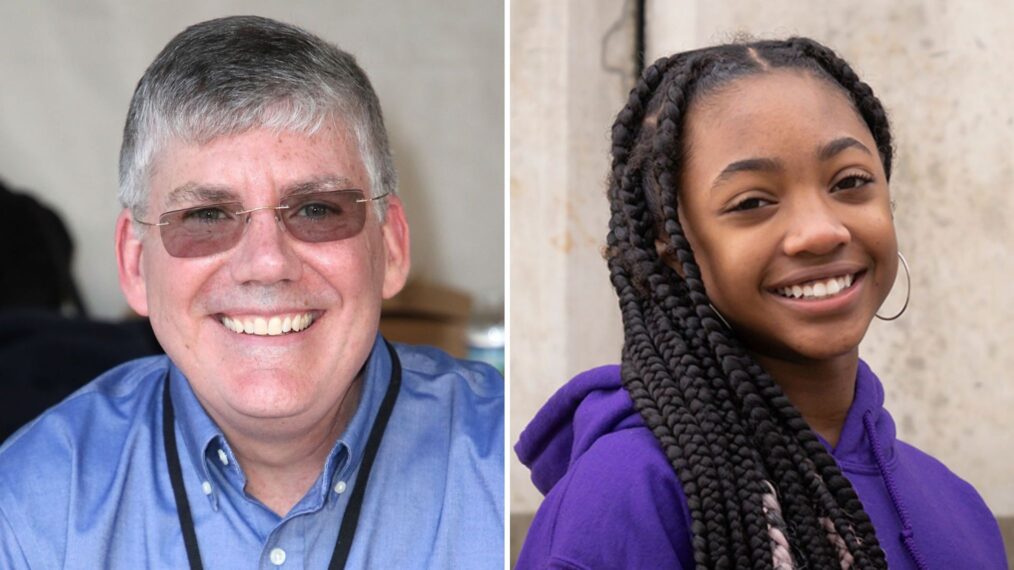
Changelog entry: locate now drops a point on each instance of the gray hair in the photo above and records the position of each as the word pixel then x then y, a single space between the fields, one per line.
pixel 229 75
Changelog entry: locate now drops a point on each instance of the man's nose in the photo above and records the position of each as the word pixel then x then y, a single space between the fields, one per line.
pixel 815 227
pixel 264 254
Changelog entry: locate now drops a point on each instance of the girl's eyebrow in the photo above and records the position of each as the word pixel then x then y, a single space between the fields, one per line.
pixel 829 150
pixel 824 152
pixel 747 165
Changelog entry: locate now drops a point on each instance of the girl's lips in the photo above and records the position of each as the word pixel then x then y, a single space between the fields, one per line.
pixel 829 304
pixel 804 275
pixel 817 288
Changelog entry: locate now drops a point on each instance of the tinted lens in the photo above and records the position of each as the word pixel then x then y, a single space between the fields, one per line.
pixel 325 216
pixel 205 230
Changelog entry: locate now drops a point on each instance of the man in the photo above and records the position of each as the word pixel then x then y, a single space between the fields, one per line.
pixel 260 232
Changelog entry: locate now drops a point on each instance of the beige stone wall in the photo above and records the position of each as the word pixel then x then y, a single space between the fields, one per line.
pixel 563 314
pixel 944 71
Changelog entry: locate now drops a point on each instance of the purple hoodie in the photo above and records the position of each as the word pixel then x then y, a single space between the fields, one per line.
pixel 613 501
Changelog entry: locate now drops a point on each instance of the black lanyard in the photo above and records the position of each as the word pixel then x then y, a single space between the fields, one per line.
pixel 352 510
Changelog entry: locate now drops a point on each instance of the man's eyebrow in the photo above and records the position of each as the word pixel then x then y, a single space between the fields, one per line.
pixel 194 193
pixel 321 184
pixel 829 150
pixel 747 165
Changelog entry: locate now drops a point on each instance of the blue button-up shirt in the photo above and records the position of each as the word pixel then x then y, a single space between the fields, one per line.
pixel 86 484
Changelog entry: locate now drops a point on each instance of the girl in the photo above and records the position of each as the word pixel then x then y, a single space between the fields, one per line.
pixel 751 244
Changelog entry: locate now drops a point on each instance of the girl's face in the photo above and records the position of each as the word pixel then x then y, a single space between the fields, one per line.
pixel 785 202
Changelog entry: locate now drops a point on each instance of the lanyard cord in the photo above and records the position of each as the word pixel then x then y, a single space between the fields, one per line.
pixel 176 476
pixel 349 521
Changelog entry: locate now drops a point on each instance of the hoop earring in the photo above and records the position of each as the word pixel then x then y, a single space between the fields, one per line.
pixel 908 292
pixel 720 317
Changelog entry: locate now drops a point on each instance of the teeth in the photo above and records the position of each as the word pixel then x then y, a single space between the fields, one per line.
pixel 300 322
pixel 270 326
pixel 818 289
pixel 275 326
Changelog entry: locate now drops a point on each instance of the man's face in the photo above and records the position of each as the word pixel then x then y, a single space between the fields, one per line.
pixel 338 286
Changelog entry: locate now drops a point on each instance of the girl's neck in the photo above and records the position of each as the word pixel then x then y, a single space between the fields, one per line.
pixel 821 390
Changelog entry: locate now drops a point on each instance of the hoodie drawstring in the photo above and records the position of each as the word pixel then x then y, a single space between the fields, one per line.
pixel 907 537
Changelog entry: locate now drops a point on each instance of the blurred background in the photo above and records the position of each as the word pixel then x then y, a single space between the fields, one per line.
pixel 69 70
pixel 944 72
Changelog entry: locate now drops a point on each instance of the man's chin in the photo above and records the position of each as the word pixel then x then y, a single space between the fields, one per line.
pixel 258 393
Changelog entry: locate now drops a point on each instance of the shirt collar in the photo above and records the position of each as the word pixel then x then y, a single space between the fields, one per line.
pixel 202 438
pixel 197 429
pixel 343 461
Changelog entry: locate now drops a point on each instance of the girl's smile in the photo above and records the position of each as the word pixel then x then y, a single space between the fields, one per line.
pixel 823 295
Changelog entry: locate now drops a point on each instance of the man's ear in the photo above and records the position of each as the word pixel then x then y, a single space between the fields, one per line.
pixel 129 252
pixel 396 246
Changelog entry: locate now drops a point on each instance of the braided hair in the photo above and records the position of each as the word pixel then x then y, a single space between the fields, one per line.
pixel 762 490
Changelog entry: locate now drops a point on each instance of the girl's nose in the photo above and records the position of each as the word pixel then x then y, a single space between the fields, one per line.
pixel 816 228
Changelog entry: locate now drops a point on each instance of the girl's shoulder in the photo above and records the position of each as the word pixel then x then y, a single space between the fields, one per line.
pixel 612 498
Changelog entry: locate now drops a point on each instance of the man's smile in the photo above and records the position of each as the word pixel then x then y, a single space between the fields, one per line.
pixel 269 325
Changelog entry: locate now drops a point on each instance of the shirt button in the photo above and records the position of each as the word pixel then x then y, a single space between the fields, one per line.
pixel 277 556
pixel 206 487
pixel 223 457
pixel 340 487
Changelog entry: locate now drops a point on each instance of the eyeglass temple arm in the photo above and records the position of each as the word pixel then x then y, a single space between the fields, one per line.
pixel 384 195
pixel 144 223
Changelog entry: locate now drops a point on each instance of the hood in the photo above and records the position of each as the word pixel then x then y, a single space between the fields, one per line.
pixel 588 407
pixel 855 450
pixel 594 404
pixel 867 445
